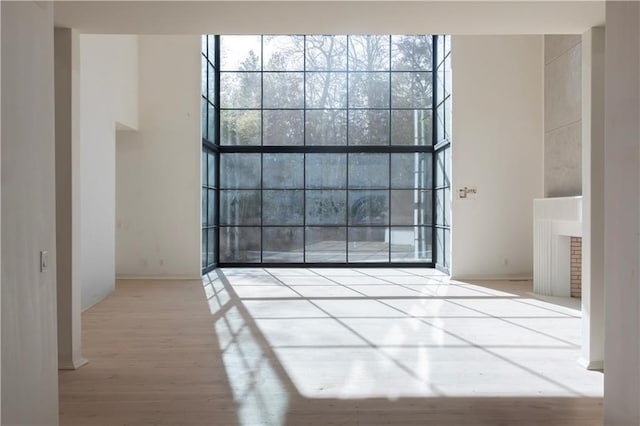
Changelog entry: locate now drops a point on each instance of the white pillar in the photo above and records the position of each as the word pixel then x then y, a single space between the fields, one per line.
pixel 592 354
pixel 67 101
pixel 622 214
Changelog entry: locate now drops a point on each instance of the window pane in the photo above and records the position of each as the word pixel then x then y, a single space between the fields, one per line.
pixel 212 84
pixel 368 245
pixel 326 127
pixel 239 244
pixel 412 170
pixel 283 53
pixel 203 213
pixel 447 248
pixel 211 246
pixel 240 170
pixel 440 84
pixel 211 207
pixel 203 118
pixel 411 244
pixel 326 52
pixel 204 249
pixel 239 127
pixel 203 167
pixel 212 44
pixel 283 90
pixel 368 207
pixel 203 46
pixel 326 170
pixel 447 168
pixel 368 170
pixel 440 168
pixel 240 207
pixel 241 90
pixel 283 171
pixel 447 119
pixel 369 90
pixel 212 169
pixel 439 207
pixel 441 49
pixel 439 245
pixel 410 207
pixel 368 127
pixel 327 244
pixel 440 123
pixel 411 90
pixel 447 76
pixel 447 207
pixel 326 207
pixel 283 127
pixel 282 207
pixel 411 53
pixel 282 244
pixel 211 123
pixel 411 127
pixel 369 53
pixel 203 68
pixel 326 90
pixel 240 53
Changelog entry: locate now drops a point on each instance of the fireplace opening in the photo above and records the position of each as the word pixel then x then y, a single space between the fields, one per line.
pixel 576 267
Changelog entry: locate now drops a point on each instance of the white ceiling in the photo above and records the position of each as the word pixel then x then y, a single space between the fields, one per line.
pixel 337 17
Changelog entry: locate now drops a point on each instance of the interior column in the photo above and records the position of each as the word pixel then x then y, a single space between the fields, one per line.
pixel 67 122
pixel 592 354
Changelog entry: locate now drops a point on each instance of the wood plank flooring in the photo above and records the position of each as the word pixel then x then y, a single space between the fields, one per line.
pixel 201 353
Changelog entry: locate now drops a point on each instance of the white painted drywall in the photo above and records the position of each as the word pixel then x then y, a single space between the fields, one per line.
pixel 29 350
pixel 622 210
pixel 158 167
pixel 497 147
pixel 331 17
pixel 0 221
pixel 108 99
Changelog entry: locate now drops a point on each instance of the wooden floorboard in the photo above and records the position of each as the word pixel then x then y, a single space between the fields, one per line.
pixel 155 358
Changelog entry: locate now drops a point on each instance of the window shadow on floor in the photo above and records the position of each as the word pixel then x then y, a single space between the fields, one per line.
pixel 307 348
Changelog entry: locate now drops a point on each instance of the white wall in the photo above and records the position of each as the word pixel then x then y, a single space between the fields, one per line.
pixel 158 167
pixel 497 147
pixel 108 99
pixel 622 211
pixel 29 352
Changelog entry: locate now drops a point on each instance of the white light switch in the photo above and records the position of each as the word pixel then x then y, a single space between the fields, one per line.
pixel 44 260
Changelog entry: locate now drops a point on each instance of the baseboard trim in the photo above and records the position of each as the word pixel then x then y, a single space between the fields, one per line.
pixel 591 365
pixel 73 365
pixel 159 278
pixel 492 277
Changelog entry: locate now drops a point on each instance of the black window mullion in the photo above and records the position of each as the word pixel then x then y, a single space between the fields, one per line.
pixel 389 155
pixel 217 152
pixel 304 155
pixel 346 187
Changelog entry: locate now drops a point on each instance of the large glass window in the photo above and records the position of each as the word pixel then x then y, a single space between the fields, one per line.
pixel 209 164
pixel 326 149
pixel 442 154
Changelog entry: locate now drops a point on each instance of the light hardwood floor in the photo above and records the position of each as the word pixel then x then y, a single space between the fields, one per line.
pixel 334 347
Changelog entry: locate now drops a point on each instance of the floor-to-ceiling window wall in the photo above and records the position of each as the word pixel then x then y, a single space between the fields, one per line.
pixel 442 149
pixel 209 156
pixel 326 149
